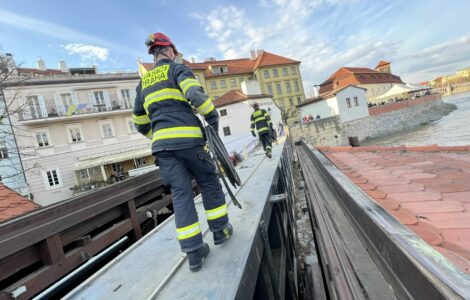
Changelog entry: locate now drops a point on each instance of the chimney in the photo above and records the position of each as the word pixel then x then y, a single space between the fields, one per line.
pixel 95 67
pixel 253 55
pixel 258 52
pixel 193 60
pixel 316 91
pixel 40 64
pixel 63 65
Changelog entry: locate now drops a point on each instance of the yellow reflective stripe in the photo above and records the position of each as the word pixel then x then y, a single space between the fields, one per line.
pixel 187 83
pixel 177 132
pixel 149 134
pixel 263 129
pixel 217 212
pixel 163 94
pixel 140 120
pixel 257 113
pixel 259 119
pixel 188 231
pixel 206 107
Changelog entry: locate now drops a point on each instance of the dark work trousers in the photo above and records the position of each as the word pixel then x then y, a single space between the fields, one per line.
pixel 177 169
pixel 266 141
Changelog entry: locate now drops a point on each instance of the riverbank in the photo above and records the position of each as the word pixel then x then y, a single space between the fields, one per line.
pixel 383 121
pixel 451 130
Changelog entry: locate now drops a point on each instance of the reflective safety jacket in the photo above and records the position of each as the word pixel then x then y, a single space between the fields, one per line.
pixel 261 120
pixel 163 107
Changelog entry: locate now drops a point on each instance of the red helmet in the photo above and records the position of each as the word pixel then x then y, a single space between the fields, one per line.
pixel 159 39
pixel 255 105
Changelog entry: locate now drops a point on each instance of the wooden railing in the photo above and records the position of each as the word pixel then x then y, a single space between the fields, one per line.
pixel 39 248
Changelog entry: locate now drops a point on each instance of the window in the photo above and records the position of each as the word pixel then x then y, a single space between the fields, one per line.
pixel 296 86
pixel 299 101
pixel 233 83
pixel 130 126
pixel 356 102
pixel 291 102
pixel 270 89
pixel 288 89
pixel 116 167
pixel 266 73
pixel 241 80
pixel 106 128
pixel 227 131
pixel 197 77
pixel 99 100
pixel 213 85
pixel 42 139
pixel 275 74
pixel 83 174
pixel 140 162
pixel 222 84
pixel 126 99
pixel 278 88
pixel 348 102
pixel 284 72
pixel 53 178
pixel 34 106
pixel 75 134
pixel 281 103
pixel 3 150
pixel 292 71
pixel 66 99
pixel 223 112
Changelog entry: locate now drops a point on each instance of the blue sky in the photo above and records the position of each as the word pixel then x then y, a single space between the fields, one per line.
pixel 422 39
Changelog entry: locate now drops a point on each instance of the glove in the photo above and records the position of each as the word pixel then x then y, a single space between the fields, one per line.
pixel 253 134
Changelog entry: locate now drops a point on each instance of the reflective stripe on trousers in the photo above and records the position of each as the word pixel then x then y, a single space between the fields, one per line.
pixel 188 231
pixel 217 212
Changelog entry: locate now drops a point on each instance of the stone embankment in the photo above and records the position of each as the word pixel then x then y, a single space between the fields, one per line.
pixel 383 120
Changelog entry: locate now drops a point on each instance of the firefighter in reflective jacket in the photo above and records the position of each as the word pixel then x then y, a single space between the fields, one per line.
pixel 261 120
pixel 163 112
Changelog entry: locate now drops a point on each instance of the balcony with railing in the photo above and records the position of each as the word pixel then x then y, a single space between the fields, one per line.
pixel 38 109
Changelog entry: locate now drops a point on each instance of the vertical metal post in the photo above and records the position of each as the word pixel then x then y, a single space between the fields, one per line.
pixel 269 257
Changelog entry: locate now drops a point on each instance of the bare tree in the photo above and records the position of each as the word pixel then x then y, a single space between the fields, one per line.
pixel 11 86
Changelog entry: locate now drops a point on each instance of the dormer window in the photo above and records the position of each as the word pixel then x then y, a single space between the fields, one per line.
pixel 219 69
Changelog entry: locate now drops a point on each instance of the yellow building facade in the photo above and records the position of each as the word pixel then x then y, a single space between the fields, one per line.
pixel 277 76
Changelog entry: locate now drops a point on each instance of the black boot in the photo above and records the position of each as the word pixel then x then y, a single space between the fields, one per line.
pixel 223 235
pixel 196 257
pixel 268 154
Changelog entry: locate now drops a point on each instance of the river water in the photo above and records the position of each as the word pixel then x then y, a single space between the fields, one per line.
pixel 450 130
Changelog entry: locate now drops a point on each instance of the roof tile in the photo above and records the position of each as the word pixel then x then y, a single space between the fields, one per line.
pixel 13 204
pixel 434 203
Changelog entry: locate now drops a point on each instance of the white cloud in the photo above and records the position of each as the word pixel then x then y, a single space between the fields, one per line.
pixel 57 31
pixel 328 34
pixel 87 52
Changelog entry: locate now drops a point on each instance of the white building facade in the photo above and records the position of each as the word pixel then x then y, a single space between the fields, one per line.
pixel 349 103
pixel 75 133
pixel 235 109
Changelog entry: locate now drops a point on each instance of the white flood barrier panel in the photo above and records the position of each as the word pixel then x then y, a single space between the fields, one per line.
pixel 154 266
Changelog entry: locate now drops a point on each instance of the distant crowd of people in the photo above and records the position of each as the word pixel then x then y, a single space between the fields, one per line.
pixel 309 118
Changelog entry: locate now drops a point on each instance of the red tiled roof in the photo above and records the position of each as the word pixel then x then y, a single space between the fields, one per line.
pixel 426 188
pixel 268 59
pixel 353 76
pixel 12 204
pixel 382 63
pixel 46 72
pixel 235 96
pixel 236 66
